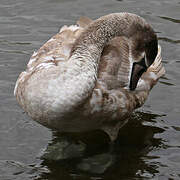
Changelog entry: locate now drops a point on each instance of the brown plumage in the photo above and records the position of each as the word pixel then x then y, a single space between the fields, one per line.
pixel 79 80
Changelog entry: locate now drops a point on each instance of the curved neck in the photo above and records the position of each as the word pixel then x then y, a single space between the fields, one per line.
pixel 92 41
pixel 87 49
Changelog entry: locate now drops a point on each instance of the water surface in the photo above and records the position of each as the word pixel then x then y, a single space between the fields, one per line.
pixel 148 147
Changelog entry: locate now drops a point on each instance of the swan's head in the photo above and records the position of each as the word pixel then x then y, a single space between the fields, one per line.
pixel 144 51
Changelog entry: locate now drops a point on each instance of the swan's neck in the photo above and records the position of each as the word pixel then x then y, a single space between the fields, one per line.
pixel 101 31
pixel 83 63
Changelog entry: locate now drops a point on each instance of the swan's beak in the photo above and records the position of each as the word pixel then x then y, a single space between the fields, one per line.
pixel 138 69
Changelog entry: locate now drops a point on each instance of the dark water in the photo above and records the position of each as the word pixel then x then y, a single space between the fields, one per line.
pixel 148 147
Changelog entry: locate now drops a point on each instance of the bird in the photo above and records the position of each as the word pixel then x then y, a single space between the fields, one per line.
pixel 92 75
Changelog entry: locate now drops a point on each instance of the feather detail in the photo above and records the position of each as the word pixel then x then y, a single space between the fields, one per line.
pixel 84 21
pixel 153 73
pixel 157 66
pixel 78 80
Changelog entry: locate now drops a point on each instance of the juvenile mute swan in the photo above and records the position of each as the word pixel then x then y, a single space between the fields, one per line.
pixel 91 75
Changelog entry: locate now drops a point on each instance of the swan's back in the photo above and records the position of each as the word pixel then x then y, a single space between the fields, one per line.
pixel 45 66
pixel 37 89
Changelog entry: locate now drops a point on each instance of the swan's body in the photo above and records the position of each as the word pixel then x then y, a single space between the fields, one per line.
pixel 78 80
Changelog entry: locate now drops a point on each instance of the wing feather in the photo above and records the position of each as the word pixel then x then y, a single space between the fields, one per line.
pixel 114 66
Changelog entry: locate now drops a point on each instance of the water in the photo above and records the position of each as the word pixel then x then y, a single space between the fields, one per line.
pixel 148 147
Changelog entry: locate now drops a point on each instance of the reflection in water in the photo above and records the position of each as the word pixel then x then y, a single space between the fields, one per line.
pixel 16 170
pixel 94 159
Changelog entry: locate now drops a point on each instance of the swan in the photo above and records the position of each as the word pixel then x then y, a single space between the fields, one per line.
pixel 91 75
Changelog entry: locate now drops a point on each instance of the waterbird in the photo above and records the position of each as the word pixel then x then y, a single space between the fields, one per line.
pixel 92 75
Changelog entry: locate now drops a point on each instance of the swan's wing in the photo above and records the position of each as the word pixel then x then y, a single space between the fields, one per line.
pixel 57 49
pixel 111 97
pixel 109 102
pixel 114 68
pixel 51 55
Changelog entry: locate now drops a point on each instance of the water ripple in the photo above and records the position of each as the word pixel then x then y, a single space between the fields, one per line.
pixel 14 43
pixel 14 51
pixel 170 19
pixel 169 40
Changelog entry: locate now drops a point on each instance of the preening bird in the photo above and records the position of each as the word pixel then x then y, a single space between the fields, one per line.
pixel 91 75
